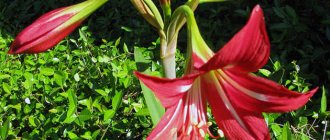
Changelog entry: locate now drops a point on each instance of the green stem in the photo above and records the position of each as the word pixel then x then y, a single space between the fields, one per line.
pixel 188 14
pixel 195 41
pixel 169 36
pixel 156 13
pixel 167 55
pixel 167 14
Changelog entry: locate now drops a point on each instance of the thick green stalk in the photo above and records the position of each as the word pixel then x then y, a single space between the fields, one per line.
pixel 167 55
pixel 167 11
pixel 169 36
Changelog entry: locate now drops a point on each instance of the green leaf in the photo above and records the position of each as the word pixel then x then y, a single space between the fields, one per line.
pixel 323 100
pixel 6 87
pixel 277 66
pixel 127 29
pixel 125 48
pixel 85 115
pixel 142 112
pixel 96 133
pixel 76 77
pixel 83 36
pixel 72 135
pixel 117 42
pixel 47 71
pixel 33 121
pixel 286 133
pixel 104 59
pixel 70 119
pixel 303 136
pixel 53 110
pixel 72 104
pixel 108 115
pixel 265 72
pixel 87 102
pixel 116 100
pixel 291 12
pixel 96 103
pixel 141 62
pixel 302 121
pixel 4 129
pixel 102 92
pixel 155 108
pixel 87 135
pixel 276 130
pixel 279 12
pixel 59 77
pixel 4 76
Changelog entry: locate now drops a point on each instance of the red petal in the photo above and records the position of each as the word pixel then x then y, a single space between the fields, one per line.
pixel 169 124
pixel 40 35
pixel 168 91
pixel 235 122
pixel 259 94
pixel 177 123
pixel 248 50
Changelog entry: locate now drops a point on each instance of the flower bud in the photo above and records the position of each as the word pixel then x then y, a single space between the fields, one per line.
pixel 52 27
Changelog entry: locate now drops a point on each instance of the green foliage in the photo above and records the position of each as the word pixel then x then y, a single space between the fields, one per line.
pixel 78 90
pixel 4 129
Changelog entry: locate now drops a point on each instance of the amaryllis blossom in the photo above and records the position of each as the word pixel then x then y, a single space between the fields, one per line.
pixel 223 80
pixel 52 27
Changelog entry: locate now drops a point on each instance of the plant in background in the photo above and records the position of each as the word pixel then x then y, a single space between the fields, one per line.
pixel 52 27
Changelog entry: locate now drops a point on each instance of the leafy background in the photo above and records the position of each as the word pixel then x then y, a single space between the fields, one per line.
pixel 84 87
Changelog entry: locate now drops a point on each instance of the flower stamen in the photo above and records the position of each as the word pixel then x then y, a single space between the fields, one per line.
pixel 202 133
pixel 221 134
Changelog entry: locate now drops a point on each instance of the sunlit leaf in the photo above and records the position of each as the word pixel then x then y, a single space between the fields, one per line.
pixel 72 104
pixel 47 71
pixel 4 129
pixel 323 100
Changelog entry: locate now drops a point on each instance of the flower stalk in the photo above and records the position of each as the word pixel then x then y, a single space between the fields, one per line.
pixel 169 36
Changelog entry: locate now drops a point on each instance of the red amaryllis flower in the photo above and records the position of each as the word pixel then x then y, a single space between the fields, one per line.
pixel 52 27
pixel 236 97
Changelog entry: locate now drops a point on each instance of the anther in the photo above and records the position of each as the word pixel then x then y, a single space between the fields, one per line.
pixel 200 124
pixel 189 130
pixel 209 123
pixel 201 131
pixel 221 134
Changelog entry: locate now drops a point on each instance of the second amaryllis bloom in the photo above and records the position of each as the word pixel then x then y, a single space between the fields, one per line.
pixel 223 80
pixel 52 27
